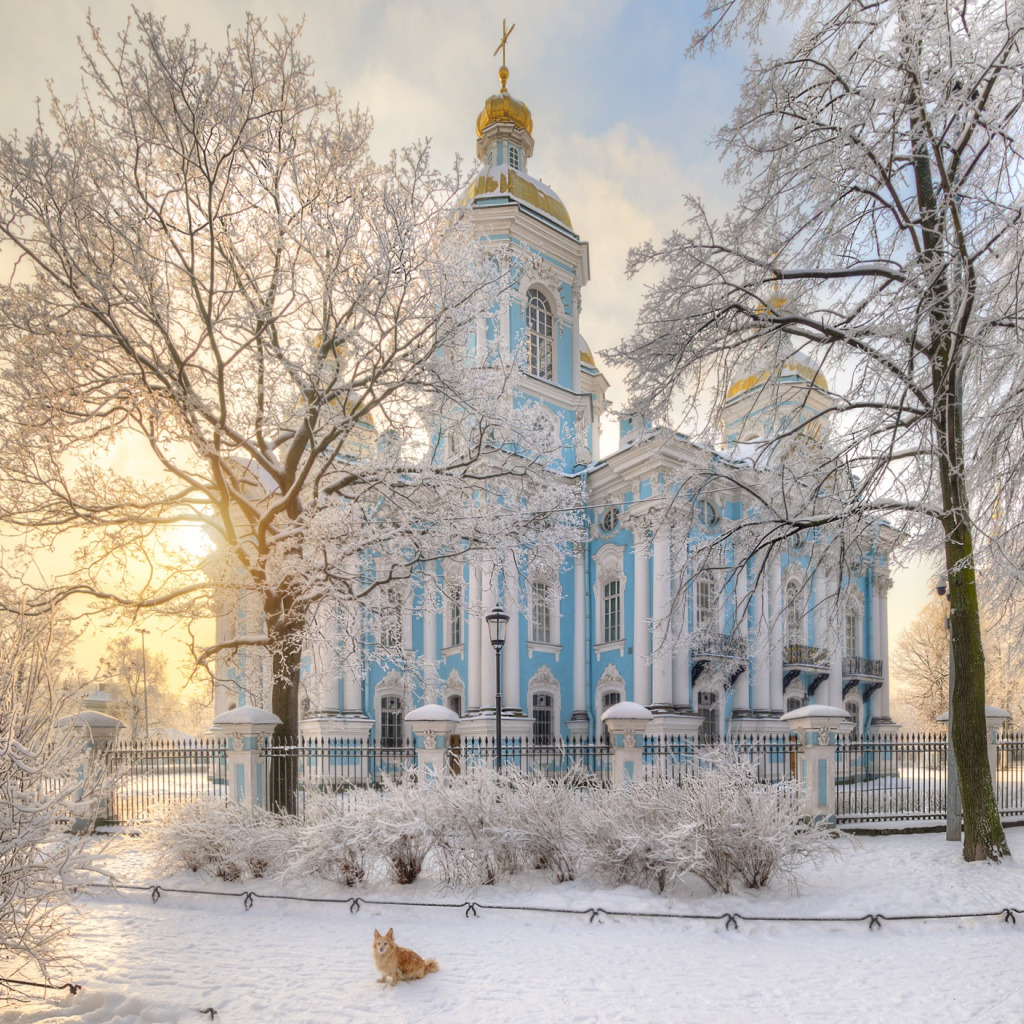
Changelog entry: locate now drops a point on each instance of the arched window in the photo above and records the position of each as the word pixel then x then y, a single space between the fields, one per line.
pixel 707 708
pixel 543 714
pixel 794 614
pixel 608 700
pixel 392 722
pixel 852 708
pixel 539 335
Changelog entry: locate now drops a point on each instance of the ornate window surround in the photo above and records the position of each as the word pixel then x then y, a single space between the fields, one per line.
pixel 454 579
pixel 609 566
pixel 544 682
pixel 393 685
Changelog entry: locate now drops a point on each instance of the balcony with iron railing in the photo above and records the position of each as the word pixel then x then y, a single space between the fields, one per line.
pixel 718 645
pixel 861 668
pixel 804 656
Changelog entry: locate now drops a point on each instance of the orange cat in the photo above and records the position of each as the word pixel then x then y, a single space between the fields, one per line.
pixel 398 964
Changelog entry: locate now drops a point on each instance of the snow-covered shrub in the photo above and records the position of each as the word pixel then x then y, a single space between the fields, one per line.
pixel 744 830
pixel 548 816
pixel 45 786
pixel 475 831
pixel 331 843
pixel 639 834
pixel 231 841
pixel 399 823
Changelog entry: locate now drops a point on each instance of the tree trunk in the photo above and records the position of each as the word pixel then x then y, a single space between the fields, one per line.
pixel 285 633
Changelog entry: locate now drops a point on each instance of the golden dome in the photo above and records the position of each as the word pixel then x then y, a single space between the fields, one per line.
pixel 505 181
pixel 504 107
pixel 792 365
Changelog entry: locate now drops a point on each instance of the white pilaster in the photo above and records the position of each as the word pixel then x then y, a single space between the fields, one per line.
pixel 579 649
pixel 662 587
pixel 762 647
pixel 883 585
pixel 488 599
pixel 473 639
pixel 431 681
pixel 641 617
pixel 775 647
pixel 511 697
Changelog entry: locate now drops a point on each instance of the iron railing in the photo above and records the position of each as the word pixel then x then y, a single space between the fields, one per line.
pixel 1009 778
pixel 589 759
pixel 862 667
pixel 331 764
pixel 804 654
pixel 773 757
pixel 142 775
pixel 891 778
pixel 718 645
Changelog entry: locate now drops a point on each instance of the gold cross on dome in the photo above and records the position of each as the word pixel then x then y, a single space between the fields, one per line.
pixel 505 33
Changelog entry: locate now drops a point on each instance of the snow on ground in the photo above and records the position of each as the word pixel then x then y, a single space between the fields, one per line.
pixel 291 962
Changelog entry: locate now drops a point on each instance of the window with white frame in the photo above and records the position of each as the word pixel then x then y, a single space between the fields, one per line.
pixel 704 601
pixel 453 608
pixel 513 157
pixel 852 708
pixel 392 721
pixel 611 611
pixel 539 335
pixel 851 637
pixel 794 618
pixel 540 612
pixel 608 700
pixel 707 708
pixel 543 711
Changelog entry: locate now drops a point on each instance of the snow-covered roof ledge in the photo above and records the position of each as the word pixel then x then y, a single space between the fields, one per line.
pixel 627 710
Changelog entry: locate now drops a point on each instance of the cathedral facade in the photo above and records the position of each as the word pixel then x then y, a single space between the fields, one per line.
pixel 709 645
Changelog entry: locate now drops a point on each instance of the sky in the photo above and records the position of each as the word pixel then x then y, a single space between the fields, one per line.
pixel 623 121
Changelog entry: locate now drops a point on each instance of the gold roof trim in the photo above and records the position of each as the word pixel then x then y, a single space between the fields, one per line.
pixel 515 185
pixel 812 376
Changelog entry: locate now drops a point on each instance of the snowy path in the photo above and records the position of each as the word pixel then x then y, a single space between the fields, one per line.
pixel 294 962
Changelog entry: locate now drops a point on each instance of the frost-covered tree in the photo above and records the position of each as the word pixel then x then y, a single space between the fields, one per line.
pixel 877 235
pixel 211 268
pixel 42 788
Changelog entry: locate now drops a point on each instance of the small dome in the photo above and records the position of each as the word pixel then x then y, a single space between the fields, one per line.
pixel 504 108
pixel 502 180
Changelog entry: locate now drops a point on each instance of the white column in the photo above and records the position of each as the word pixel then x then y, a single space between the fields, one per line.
pixel 473 639
pixel 511 698
pixel 761 638
pixel 428 598
pixel 349 663
pixel 741 688
pixel 681 624
pixel 579 648
pixel 488 599
pixel 662 587
pixel 775 647
pixel 883 583
pixel 641 618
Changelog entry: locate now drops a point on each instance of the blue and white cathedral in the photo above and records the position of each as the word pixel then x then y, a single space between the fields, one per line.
pixel 627 618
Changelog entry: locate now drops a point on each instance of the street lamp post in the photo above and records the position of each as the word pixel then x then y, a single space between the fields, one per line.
pixel 953 808
pixel 145 688
pixel 497 621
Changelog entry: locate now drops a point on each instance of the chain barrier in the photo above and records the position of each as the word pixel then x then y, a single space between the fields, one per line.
pixel 732 919
pixel 71 986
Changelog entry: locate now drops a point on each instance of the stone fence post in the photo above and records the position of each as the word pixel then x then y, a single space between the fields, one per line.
pixel 95 731
pixel 626 723
pixel 818 726
pixel 243 729
pixel 435 724
pixel 994 721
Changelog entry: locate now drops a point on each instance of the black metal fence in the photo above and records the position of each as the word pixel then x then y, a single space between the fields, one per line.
pixel 1010 775
pixel 773 757
pixel 572 755
pixel 142 775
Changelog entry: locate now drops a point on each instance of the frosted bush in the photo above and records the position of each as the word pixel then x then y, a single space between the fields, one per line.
pixel 228 840
pixel 476 838
pixel 400 825
pixel 331 843
pixel 745 830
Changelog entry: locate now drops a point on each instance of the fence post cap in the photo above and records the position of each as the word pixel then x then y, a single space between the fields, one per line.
pixel 626 710
pixel 815 718
pixel 432 713
pixel 247 716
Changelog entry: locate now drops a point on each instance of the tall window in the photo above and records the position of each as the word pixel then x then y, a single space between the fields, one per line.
pixel 851 645
pixel 540 613
pixel 610 699
pixel 543 715
pixel 852 708
pixel 453 612
pixel 513 157
pixel 539 335
pixel 391 722
pixel 455 703
pixel 704 601
pixel 794 619
pixel 613 611
pixel 707 708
